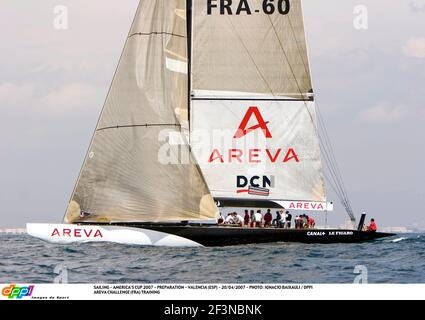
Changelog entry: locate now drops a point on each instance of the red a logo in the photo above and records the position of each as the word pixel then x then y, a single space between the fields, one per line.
pixel 243 130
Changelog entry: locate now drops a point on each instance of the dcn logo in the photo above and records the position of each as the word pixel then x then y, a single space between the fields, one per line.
pixel 255 185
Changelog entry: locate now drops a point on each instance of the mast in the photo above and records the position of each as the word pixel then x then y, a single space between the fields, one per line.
pixel 189 58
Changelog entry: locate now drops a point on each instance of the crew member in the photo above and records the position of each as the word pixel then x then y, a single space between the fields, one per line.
pixel 252 217
pixel 234 218
pixel 247 218
pixel 298 222
pixel 268 218
pixel 278 220
pixel 304 221
pixel 238 219
pixel 311 223
pixel 288 220
pixel 258 219
pixel 221 219
pixel 229 219
pixel 372 227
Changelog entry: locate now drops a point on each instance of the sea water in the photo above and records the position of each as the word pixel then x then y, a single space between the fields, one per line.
pixel 399 259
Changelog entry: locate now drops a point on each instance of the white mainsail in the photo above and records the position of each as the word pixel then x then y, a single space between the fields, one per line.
pixel 122 178
pixel 253 116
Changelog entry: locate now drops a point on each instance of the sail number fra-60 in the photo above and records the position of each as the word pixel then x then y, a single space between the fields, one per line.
pixel 238 7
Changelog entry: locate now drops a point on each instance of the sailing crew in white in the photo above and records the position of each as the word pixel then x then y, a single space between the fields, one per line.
pixel 234 218
pixel 239 220
pixel 258 219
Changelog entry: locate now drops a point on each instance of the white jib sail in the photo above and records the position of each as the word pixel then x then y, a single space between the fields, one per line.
pixel 126 176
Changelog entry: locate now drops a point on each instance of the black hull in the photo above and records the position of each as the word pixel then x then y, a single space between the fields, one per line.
pixel 213 236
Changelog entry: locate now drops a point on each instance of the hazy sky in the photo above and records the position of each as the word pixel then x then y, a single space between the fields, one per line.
pixel 369 85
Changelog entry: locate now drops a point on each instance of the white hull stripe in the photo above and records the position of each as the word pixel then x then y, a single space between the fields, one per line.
pixel 69 233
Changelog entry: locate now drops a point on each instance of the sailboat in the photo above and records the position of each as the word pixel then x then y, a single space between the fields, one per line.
pixel 155 172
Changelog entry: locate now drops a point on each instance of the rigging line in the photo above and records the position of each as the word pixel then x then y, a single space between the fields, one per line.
pixel 335 190
pixel 292 71
pixel 330 158
pixel 252 60
pixel 293 74
pixel 328 161
pixel 315 126
pixel 286 57
pixel 300 91
pixel 189 57
pixel 250 56
pixel 325 144
pixel 341 199
pixel 103 109
pixel 339 175
pixel 333 176
pixel 298 48
pixel 190 39
pixel 334 171
pixel 338 186
pixel 334 159
pixel 156 33
pixel 333 164
pixel 147 125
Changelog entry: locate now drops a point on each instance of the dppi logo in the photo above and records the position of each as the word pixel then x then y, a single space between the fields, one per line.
pixel 253 155
pixel 13 291
pixel 255 185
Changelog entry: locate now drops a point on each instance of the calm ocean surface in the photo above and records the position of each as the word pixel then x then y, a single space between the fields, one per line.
pixel 396 260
